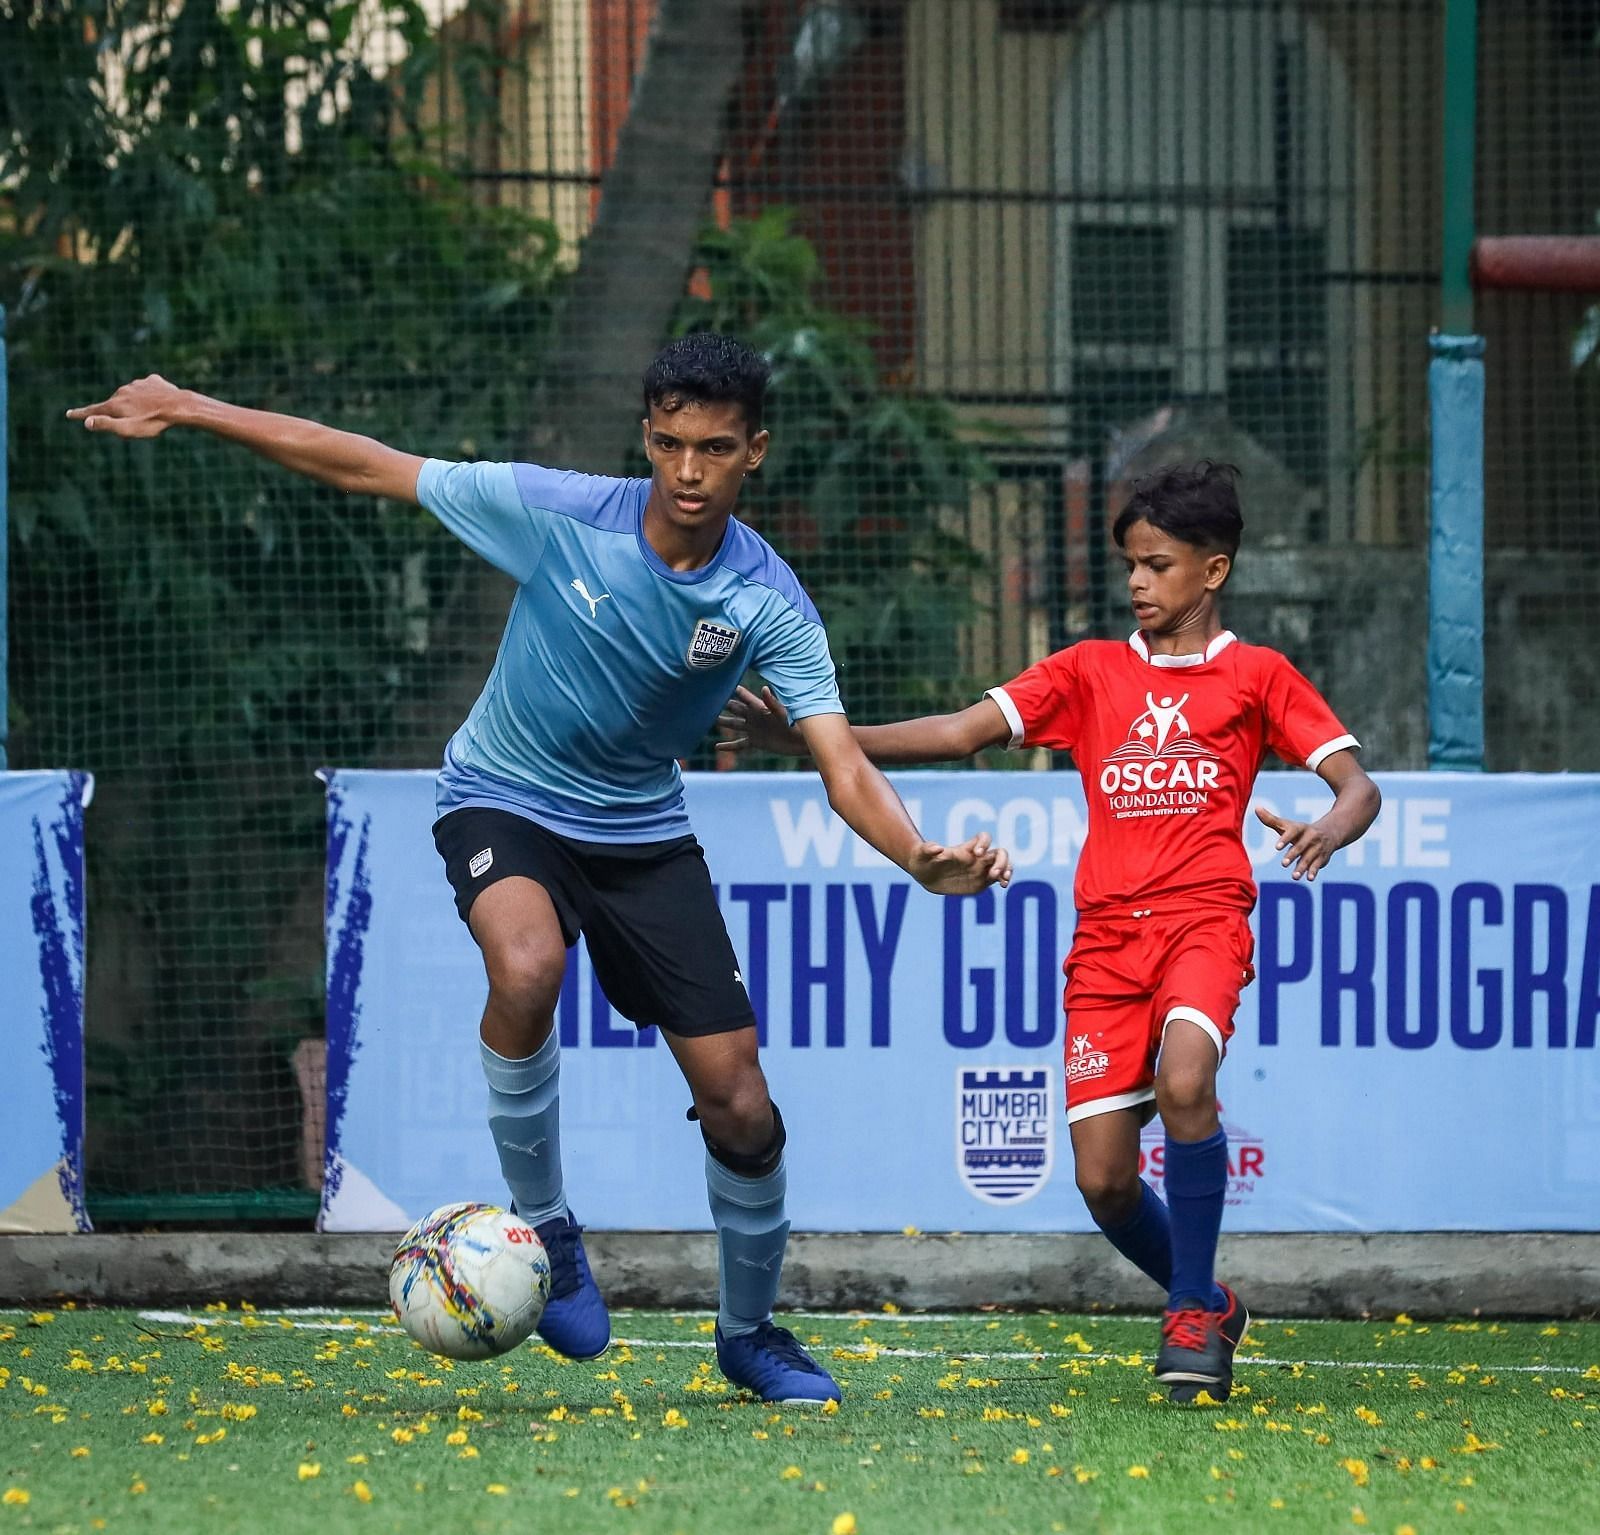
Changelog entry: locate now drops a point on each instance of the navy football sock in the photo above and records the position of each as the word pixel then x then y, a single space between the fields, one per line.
pixel 1197 1182
pixel 752 1235
pixel 1145 1238
pixel 525 1120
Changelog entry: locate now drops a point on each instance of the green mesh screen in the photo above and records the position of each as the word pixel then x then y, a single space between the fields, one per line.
pixel 1006 255
pixel 1539 174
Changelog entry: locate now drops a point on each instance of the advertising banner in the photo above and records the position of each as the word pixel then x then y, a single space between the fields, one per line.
pixel 1418 1051
pixel 41 1001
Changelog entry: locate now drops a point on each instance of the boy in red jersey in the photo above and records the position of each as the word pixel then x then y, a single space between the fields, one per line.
pixel 1169 729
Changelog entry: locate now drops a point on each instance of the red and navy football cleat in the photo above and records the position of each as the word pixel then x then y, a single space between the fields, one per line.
pixel 1198 1345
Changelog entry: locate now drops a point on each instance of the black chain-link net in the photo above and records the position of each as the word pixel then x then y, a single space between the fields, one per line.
pixel 1006 255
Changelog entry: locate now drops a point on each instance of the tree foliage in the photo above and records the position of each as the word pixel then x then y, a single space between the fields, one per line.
pixel 239 199
pixel 233 198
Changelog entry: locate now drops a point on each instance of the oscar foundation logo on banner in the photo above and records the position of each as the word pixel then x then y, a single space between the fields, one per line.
pixel 1247 1159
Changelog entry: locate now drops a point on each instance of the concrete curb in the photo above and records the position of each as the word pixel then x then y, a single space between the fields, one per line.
pixel 1517 1274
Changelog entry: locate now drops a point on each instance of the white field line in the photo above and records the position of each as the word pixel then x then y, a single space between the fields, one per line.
pixel 878 1351
pixel 887 1318
pixel 883 1318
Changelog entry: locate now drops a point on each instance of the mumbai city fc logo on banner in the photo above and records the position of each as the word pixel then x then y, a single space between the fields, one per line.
pixel 1160 769
pixel 711 644
pixel 1005 1131
pixel 1247 1159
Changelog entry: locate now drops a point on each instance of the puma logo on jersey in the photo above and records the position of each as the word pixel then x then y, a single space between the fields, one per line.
pixel 583 591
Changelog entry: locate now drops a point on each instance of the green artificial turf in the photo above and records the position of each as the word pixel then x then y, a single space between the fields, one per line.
pixel 241 1421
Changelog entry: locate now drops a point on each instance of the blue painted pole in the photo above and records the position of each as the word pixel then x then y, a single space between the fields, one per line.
pixel 1455 554
pixel 5 460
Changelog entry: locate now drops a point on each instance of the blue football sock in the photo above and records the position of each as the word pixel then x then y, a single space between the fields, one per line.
pixel 1145 1238
pixel 751 1236
pixel 525 1120
pixel 1197 1182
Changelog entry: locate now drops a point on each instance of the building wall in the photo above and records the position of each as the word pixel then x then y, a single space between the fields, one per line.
pixel 981 159
pixel 818 127
pixel 1157 112
pixel 517 106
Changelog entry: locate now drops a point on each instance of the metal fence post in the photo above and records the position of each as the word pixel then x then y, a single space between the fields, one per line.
pixel 1455 404
pixel 1459 188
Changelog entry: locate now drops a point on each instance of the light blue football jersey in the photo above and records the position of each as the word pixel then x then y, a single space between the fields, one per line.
pixel 612 665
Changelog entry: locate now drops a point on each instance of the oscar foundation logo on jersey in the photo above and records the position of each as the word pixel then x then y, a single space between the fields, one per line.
pixel 1247 1159
pixel 1160 769
pixel 1005 1131
pixel 711 644
pixel 1084 1062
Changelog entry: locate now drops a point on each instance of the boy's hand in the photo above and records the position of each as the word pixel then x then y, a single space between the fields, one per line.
pixel 761 724
pixel 144 408
pixel 1310 844
pixel 964 870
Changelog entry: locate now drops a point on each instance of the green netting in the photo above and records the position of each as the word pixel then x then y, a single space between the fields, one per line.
pixel 1539 174
pixel 1006 254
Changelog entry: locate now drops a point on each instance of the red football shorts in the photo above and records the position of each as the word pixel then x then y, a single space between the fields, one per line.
pixel 1127 978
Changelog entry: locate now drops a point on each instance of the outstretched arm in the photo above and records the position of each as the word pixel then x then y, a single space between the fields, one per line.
pixel 761 724
pixel 344 460
pixel 871 808
pixel 1309 845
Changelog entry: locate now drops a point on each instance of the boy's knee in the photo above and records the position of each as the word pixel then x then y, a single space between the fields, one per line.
pixel 1186 1075
pixel 1110 1193
pixel 525 976
pixel 736 1110
pixel 1185 1089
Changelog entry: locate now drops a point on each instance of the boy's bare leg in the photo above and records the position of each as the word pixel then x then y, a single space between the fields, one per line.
pixel 1105 1154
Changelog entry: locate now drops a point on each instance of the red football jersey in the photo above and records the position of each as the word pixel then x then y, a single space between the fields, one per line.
pixel 1169 747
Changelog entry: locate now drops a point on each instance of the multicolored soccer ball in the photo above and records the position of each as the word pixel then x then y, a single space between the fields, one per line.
pixel 470 1281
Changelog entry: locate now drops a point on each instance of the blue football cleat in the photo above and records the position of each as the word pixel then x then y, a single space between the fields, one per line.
pixel 772 1364
pixel 575 1320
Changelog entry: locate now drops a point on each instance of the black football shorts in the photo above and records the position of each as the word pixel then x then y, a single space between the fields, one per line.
pixel 656 937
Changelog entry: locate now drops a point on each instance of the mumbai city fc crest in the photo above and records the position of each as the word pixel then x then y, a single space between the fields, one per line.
pixel 1005 1131
pixel 711 644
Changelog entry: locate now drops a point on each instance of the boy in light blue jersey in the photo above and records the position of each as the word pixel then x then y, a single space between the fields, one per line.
pixel 639 605
pixel 558 734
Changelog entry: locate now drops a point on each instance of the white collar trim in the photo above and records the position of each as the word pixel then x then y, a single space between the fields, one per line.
pixel 1214 649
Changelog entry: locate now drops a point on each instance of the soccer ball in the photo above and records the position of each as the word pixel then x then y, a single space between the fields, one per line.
pixel 470 1281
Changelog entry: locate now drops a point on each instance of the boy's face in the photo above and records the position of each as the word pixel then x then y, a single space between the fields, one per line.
pixel 699 455
pixel 1169 581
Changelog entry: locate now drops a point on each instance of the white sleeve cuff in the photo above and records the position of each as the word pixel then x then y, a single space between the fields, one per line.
pixel 1013 718
pixel 1328 748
